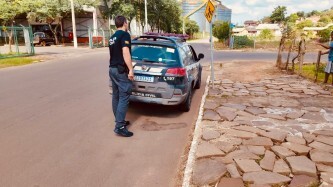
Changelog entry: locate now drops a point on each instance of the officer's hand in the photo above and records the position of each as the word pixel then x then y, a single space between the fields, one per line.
pixel 131 75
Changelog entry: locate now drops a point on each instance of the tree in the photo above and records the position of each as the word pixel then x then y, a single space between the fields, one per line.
pixel 306 23
pixel 140 14
pixel 300 14
pixel 325 34
pixel 266 34
pixel 170 19
pixel 125 8
pixel 325 19
pixel 278 15
pixel 191 27
pixel 292 18
pixel 164 15
pixel 221 30
pixel 52 12
pixel 9 10
pixel 266 19
pixel 313 13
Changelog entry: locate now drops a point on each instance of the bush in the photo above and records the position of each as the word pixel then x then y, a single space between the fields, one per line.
pixel 191 27
pixel 325 34
pixel 221 30
pixel 242 42
pixel 266 34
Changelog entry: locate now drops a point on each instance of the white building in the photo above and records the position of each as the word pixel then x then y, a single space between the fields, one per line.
pixel 275 28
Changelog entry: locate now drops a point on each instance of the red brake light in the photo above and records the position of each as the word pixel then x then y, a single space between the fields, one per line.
pixel 176 72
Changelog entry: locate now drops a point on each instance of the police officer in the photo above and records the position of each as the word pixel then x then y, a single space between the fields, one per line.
pixel 121 74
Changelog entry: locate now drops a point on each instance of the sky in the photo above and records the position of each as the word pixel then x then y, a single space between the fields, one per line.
pixel 243 10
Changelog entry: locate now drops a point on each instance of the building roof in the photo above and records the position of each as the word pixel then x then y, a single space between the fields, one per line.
pixel 268 26
pixel 250 22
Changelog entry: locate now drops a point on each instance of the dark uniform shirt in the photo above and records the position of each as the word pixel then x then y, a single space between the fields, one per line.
pixel 117 41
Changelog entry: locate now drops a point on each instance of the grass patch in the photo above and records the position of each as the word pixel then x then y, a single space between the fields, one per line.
pixel 309 71
pixel 17 61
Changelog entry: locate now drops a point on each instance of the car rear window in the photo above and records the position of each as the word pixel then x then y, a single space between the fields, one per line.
pixel 155 54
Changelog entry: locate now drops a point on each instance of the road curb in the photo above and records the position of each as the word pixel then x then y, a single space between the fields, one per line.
pixel 195 140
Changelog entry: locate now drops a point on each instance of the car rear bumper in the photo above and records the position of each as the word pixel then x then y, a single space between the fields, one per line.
pixel 175 100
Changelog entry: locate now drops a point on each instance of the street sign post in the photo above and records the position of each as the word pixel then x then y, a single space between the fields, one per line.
pixel 209 14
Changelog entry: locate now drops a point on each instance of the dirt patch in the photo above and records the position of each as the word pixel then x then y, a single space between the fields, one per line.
pixel 153 126
pixel 245 71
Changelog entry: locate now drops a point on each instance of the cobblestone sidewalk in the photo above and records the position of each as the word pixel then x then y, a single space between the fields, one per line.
pixel 274 132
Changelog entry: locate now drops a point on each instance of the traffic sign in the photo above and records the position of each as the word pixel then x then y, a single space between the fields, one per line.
pixel 209 11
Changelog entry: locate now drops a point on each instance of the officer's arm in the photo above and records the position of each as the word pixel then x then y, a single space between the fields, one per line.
pixel 128 61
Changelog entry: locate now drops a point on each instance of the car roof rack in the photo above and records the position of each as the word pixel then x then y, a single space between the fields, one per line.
pixel 174 40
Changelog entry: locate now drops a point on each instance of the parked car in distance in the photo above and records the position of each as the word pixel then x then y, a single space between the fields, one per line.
pixel 43 39
pixel 166 70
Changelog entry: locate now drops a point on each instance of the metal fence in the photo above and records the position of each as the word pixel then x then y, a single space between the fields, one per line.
pixel 16 41
pixel 99 37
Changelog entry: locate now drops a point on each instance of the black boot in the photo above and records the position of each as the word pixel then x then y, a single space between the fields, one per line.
pixel 122 131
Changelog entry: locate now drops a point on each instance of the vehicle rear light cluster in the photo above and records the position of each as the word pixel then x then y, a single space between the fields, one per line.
pixel 179 72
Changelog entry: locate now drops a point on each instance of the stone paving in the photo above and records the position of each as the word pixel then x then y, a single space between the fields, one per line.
pixel 274 132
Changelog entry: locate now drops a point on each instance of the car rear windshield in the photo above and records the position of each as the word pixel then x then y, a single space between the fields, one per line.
pixel 154 54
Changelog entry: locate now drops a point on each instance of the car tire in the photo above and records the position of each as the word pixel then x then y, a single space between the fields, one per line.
pixel 186 106
pixel 198 83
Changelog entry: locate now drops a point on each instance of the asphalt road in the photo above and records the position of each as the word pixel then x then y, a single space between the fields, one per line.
pixel 245 55
pixel 56 129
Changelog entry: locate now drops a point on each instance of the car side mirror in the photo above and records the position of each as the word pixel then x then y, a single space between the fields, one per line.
pixel 201 56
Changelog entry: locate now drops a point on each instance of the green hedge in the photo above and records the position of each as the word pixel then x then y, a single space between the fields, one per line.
pixel 242 42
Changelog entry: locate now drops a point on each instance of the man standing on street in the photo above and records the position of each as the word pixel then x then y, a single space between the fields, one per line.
pixel 121 74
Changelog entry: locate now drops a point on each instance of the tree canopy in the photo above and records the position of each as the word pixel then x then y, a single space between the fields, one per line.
pixel 10 9
pixel 305 23
pixel 163 15
pixel 292 18
pixel 279 14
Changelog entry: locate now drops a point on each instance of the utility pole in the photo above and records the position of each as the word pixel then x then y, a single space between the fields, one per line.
pixel 74 25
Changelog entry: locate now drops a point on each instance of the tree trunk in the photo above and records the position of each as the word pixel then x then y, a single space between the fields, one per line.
pixel 10 40
pixel 289 52
pixel 62 32
pixel 279 57
pixel 54 32
pixel 302 53
pixel 129 26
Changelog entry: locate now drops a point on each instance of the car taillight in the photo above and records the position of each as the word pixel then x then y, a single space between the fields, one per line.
pixel 180 72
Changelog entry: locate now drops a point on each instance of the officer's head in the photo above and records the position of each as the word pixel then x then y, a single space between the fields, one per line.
pixel 120 22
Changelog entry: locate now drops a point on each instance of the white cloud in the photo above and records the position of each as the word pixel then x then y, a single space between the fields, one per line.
pixel 243 10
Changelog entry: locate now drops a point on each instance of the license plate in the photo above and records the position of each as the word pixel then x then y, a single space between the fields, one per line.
pixel 143 78
pixel 141 94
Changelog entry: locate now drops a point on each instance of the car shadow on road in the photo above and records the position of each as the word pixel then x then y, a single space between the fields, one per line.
pixel 155 110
